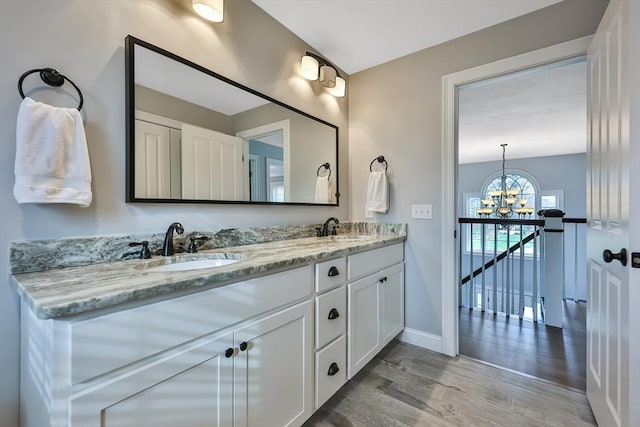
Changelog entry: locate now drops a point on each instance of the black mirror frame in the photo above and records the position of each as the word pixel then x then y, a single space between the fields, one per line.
pixel 130 42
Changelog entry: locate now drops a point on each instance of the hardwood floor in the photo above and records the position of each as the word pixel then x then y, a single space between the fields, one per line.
pixel 554 354
pixel 406 385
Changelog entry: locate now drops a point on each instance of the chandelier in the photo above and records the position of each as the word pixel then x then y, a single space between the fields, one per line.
pixel 504 202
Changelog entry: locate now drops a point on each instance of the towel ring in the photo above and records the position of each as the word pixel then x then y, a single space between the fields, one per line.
pixel 327 166
pixel 52 77
pixel 380 159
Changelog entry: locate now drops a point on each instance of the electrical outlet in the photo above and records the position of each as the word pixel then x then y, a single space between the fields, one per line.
pixel 421 211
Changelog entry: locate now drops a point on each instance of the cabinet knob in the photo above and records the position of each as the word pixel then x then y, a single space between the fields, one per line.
pixel 333 271
pixel 228 352
pixel 243 346
pixel 333 369
pixel 333 314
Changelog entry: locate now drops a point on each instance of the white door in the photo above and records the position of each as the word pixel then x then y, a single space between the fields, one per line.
pixel 153 160
pixel 274 370
pixel 613 326
pixel 192 388
pixel 212 167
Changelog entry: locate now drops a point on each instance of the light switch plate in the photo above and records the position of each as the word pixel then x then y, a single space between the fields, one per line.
pixel 421 211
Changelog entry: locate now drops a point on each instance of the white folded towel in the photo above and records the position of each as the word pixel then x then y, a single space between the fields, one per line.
pixel 323 189
pixel 378 192
pixel 52 160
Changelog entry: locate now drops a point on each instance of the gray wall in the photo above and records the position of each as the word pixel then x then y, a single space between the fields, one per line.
pixel 85 40
pixel 395 110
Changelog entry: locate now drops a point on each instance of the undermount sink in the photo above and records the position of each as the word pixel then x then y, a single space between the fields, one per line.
pixel 190 262
pixel 349 237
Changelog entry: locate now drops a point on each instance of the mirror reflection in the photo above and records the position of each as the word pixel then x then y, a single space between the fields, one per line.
pixel 195 136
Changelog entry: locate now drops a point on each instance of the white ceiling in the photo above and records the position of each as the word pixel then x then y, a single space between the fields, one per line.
pixel 536 113
pixel 540 112
pixel 359 34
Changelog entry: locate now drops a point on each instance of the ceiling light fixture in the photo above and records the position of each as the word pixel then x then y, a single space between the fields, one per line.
pixel 314 67
pixel 502 203
pixel 211 10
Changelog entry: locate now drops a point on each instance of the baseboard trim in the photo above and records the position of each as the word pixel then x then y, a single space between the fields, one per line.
pixel 421 339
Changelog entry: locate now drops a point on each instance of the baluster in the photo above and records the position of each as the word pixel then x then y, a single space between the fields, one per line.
pixel 534 301
pixel 484 299
pixel 461 227
pixel 471 300
pixel 575 262
pixel 508 284
pixel 495 268
pixel 521 299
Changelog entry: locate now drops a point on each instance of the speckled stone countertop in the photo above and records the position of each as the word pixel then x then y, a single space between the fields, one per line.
pixel 69 291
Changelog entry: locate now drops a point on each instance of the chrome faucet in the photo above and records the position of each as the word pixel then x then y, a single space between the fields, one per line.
pixel 325 227
pixel 167 246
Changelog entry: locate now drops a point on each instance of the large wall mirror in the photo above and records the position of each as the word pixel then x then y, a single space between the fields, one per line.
pixel 194 136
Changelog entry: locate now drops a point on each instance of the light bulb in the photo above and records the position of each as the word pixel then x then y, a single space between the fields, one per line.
pixel 211 10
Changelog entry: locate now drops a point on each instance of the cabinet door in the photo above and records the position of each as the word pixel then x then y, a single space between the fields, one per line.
pixel 364 322
pixel 273 371
pixel 391 303
pixel 191 387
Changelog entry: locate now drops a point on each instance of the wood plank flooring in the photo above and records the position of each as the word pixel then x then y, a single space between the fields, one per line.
pixel 406 385
pixel 554 354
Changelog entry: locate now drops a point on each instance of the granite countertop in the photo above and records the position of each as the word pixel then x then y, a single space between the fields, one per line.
pixel 74 290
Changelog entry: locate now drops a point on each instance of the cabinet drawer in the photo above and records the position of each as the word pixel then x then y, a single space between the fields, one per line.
pixel 374 260
pixel 328 380
pixel 330 274
pixel 331 304
pixel 104 343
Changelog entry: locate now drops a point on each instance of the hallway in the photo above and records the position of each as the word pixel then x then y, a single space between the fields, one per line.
pixel 552 354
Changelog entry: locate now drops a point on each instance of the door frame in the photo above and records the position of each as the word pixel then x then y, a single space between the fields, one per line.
pixel 450 82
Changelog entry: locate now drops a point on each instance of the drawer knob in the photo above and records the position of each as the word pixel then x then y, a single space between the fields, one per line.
pixel 333 369
pixel 333 271
pixel 243 346
pixel 228 353
pixel 384 279
pixel 333 314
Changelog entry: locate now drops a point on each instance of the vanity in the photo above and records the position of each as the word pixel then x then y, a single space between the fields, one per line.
pixel 264 340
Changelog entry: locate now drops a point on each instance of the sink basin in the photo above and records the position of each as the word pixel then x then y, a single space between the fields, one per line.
pixel 193 265
pixel 349 237
pixel 189 262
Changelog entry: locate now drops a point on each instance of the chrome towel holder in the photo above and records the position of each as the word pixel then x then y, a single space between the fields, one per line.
pixel 52 77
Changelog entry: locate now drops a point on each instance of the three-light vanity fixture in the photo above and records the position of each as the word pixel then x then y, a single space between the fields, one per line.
pixel 211 10
pixel 314 67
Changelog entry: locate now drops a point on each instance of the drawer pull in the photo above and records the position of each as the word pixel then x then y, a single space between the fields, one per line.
pixel 228 353
pixel 333 369
pixel 333 271
pixel 384 279
pixel 333 314
pixel 243 346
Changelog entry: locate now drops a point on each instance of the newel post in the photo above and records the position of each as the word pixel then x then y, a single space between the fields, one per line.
pixel 553 259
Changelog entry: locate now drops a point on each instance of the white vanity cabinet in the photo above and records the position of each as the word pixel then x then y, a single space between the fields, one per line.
pixel 237 355
pixel 376 303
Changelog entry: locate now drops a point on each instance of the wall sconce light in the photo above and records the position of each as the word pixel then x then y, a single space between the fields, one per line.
pixel 314 66
pixel 211 10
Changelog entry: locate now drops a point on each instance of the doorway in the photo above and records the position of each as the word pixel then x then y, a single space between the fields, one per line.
pixel 451 84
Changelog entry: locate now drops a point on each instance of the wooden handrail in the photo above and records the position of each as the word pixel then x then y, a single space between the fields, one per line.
pixel 502 255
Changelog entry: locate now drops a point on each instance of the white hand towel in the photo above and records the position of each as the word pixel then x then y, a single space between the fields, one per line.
pixel 52 160
pixel 323 189
pixel 378 192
